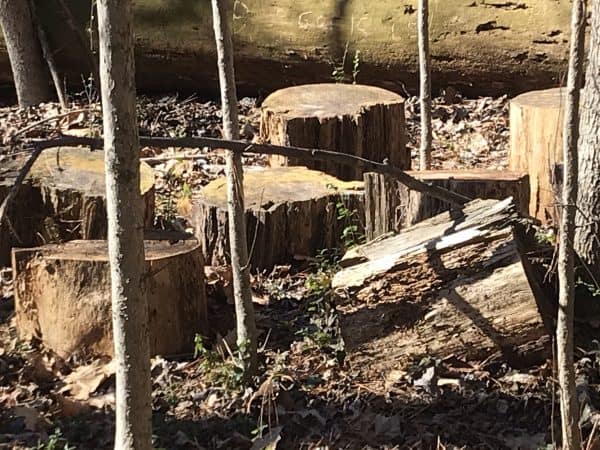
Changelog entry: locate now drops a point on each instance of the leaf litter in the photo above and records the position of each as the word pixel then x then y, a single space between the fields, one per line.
pixel 310 393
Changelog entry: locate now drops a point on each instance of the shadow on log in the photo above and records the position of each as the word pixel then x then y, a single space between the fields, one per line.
pixel 62 296
pixel 453 285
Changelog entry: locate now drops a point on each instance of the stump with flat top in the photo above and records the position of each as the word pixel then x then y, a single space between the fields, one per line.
pixel 63 198
pixel 536 130
pixel 63 297
pixel 360 120
pixel 391 206
pixel 454 285
pixel 291 213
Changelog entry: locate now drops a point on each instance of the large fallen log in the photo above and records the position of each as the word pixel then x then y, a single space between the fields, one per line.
pixel 503 46
pixel 62 296
pixel 355 119
pixel 291 212
pixel 391 206
pixel 62 198
pixel 451 285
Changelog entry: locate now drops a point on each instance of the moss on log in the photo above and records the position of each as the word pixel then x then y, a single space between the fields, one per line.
pixel 291 212
pixel 478 47
pixel 62 199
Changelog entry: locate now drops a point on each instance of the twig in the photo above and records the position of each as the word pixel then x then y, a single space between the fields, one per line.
pixel 48 119
pixel 445 195
pixel 165 158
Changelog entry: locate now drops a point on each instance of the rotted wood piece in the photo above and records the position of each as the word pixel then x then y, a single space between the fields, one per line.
pixel 391 206
pixel 360 120
pixel 291 213
pixel 453 285
pixel 62 199
pixel 62 296
pixel 536 139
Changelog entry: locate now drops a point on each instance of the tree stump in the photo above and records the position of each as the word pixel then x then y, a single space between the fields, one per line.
pixel 62 296
pixel 291 213
pixel 536 130
pixel 62 199
pixel 453 285
pixel 359 120
pixel 391 206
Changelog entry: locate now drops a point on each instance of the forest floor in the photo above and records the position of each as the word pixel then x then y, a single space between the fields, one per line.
pixel 310 393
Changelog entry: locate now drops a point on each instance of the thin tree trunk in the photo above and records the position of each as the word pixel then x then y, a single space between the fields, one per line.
pixel 425 81
pixel 77 31
pixel 28 68
pixel 125 225
pixel 571 438
pixel 48 56
pixel 587 233
pixel 244 309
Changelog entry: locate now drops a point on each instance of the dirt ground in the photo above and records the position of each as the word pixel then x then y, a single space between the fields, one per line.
pixel 313 392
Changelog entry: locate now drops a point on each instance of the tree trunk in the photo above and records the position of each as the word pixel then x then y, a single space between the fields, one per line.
pixel 28 68
pixel 244 309
pixel 587 231
pixel 571 438
pixel 125 226
pixel 425 85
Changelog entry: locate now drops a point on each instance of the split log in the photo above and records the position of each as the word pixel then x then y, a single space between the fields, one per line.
pixel 391 206
pixel 62 296
pixel 451 285
pixel 536 129
pixel 359 120
pixel 291 213
pixel 62 199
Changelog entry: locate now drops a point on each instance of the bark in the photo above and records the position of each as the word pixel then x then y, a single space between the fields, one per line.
pixel 28 68
pixel 125 226
pixel 425 85
pixel 246 325
pixel 571 437
pixel 587 232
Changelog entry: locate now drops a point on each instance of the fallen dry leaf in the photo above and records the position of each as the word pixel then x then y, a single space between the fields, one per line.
pixel 84 380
